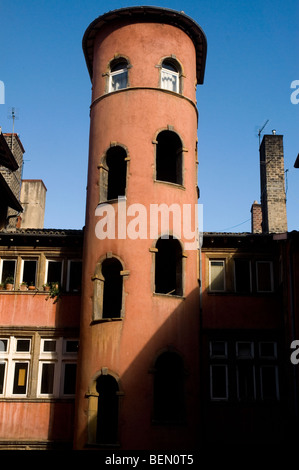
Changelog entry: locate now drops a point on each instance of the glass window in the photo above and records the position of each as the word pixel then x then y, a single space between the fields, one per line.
pixel 170 76
pixel 217 275
pixel 74 276
pixel 49 345
pixel 218 349
pixel 3 345
pixel 245 381
pixel 29 272
pixel 118 77
pixel 47 379
pixel 69 382
pixel 23 345
pixel 269 383
pixel 2 376
pixel 244 350
pixel 7 271
pixel 20 378
pixel 54 272
pixel 169 159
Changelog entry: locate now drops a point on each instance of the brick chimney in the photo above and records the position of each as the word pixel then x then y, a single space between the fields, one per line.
pixel 273 196
pixel 256 218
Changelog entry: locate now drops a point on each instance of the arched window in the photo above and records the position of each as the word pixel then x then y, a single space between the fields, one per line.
pixel 169 157
pixel 107 415
pixel 118 75
pixel 108 289
pixel 117 172
pixel 170 75
pixel 113 286
pixel 169 404
pixel 168 267
pixel 113 174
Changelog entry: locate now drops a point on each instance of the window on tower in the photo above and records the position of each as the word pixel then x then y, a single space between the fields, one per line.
pixel 168 267
pixel 170 75
pixel 118 76
pixel 169 152
pixel 113 174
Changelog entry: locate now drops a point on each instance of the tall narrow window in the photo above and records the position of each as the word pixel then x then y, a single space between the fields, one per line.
pixel 264 276
pixel 118 76
pixel 170 76
pixel 242 276
pixel 112 297
pixel 7 270
pixel 107 417
pixel 217 275
pixel 54 271
pixel 29 271
pixel 169 388
pixel 169 157
pixel 117 172
pixel 168 267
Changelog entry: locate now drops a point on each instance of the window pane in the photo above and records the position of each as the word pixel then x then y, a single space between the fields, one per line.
pixel 264 279
pixel 169 80
pixel 2 375
pixel 217 275
pixel 29 272
pixel 54 271
pixel 49 345
pixel 245 381
pixel 245 350
pixel 71 346
pixel 268 350
pixel 218 349
pixel 119 80
pixel 242 276
pixel 219 382
pixel 8 269
pixel 69 379
pixel 47 381
pixel 20 378
pixel 3 345
pixel 23 345
pixel 75 276
pixel 269 383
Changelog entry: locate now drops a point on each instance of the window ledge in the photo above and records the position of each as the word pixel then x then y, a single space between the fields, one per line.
pixel 105 320
pixel 170 296
pixel 176 185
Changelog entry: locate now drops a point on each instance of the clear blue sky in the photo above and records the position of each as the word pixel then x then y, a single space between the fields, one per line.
pixel 252 60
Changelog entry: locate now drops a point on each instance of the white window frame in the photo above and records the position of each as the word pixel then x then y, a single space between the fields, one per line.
pixel 22 268
pixel 53 260
pixel 251 363
pixel 249 357
pixel 224 356
pixel 59 358
pixel 11 357
pixel 1 268
pixel 173 77
pixel 274 343
pixel 271 276
pixel 114 74
pixel 220 260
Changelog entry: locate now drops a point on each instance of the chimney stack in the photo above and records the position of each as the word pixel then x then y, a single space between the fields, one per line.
pixel 273 196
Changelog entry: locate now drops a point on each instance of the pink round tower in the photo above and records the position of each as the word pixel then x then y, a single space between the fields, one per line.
pixel 138 373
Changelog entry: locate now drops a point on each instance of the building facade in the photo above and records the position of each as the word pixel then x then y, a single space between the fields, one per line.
pixel 122 336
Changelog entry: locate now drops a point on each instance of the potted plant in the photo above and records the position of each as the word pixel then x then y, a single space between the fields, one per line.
pixel 9 283
pixel 23 285
pixel 46 287
pixel 1 286
pixel 55 292
pixel 32 286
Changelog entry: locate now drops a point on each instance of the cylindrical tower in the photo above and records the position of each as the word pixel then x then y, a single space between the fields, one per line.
pixel 138 373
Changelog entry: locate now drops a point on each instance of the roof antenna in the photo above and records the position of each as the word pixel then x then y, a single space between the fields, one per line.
pixel 260 131
pixel 12 115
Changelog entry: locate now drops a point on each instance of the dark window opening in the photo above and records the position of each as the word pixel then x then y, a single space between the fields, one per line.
pixel 69 387
pixel 168 267
pixel 169 388
pixel 8 270
pixel 29 272
pixel 117 172
pixel 47 382
pixel 20 378
pixel 54 271
pixel 242 276
pixel 107 417
pixel 112 298
pixel 169 158
pixel 2 375
pixel 75 274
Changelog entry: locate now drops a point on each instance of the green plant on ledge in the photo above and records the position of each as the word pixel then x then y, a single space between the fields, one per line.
pixel 55 292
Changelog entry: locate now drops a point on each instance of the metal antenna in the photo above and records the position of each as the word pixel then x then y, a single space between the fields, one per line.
pixel 12 115
pixel 260 131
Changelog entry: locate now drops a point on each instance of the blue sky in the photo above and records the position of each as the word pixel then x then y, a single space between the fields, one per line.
pixel 251 62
